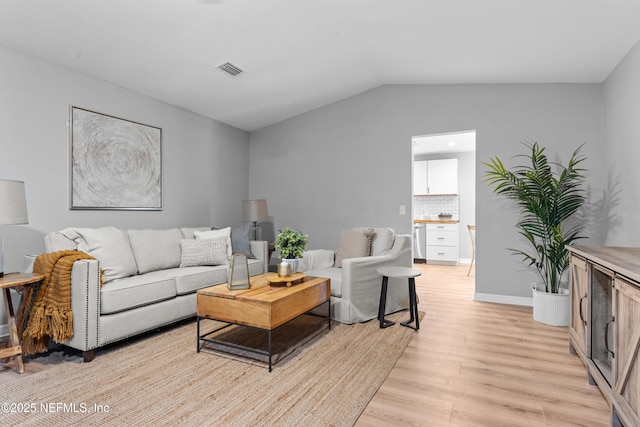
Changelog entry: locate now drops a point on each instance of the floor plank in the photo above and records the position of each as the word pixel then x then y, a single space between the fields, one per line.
pixel 482 364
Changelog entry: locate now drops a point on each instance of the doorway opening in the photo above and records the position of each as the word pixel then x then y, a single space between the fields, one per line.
pixel 444 197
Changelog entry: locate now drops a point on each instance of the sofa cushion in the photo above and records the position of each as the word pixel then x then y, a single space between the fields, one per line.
pixel 382 239
pixel 353 244
pixel 110 246
pixel 240 240
pixel 155 249
pixel 204 252
pixel 212 234
pixel 333 273
pixel 136 291
pixel 190 279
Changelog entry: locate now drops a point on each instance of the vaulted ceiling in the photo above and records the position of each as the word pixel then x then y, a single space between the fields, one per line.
pixel 298 55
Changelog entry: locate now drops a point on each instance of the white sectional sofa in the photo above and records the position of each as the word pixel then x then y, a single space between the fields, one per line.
pixel 144 285
pixel 355 283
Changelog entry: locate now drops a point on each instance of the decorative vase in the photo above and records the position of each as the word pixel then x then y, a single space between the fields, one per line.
pixel 293 263
pixel 550 309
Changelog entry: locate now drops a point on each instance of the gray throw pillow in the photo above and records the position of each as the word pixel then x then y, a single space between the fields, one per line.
pixel 241 241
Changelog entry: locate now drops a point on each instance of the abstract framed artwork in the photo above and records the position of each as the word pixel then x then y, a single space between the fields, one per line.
pixel 115 163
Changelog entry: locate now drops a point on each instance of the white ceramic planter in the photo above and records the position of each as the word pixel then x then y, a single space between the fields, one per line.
pixel 293 263
pixel 550 309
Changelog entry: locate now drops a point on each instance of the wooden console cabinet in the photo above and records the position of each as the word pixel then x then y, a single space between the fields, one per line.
pixel 604 325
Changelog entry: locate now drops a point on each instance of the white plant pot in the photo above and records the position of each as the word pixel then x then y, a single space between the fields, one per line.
pixel 293 263
pixel 550 309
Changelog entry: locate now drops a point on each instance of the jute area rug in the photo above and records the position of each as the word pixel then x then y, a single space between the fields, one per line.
pixel 327 380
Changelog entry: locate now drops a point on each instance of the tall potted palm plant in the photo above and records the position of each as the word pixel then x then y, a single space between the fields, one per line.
pixel 547 200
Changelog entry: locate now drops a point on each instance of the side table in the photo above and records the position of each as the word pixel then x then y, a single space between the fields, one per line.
pixel 16 281
pixel 401 273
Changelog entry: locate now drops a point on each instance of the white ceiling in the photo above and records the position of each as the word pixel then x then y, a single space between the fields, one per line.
pixel 458 142
pixel 301 54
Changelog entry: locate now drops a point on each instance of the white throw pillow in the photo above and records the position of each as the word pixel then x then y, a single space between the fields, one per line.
pixel 212 234
pixel 110 246
pixel 204 252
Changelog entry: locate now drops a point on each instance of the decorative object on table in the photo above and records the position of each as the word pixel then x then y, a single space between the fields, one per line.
pixel 277 279
pixel 444 215
pixel 291 244
pixel 255 211
pixel 284 269
pixel 13 209
pixel 115 163
pixel 547 201
pixel 238 273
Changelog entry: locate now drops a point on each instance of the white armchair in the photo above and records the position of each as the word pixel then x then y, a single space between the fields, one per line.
pixel 355 287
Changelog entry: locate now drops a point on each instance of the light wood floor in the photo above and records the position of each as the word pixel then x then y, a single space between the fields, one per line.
pixel 482 364
pixel 470 364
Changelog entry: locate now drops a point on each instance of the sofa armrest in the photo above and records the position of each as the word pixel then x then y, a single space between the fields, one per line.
pixel 361 281
pixel 28 263
pixel 260 249
pixel 85 304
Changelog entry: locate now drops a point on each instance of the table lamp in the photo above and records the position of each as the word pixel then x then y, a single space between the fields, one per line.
pixel 13 209
pixel 254 211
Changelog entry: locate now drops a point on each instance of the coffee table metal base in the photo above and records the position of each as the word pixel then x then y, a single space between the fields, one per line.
pixel 206 338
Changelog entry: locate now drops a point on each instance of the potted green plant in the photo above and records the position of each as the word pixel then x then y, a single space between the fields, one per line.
pixel 291 244
pixel 547 200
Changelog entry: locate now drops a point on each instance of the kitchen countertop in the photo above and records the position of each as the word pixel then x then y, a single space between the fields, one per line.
pixel 435 221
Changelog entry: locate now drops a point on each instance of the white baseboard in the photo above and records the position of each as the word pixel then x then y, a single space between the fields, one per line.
pixel 503 299
pixel 465 261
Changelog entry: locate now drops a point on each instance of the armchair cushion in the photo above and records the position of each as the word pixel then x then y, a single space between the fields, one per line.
pixel 382 239
pixel 353 244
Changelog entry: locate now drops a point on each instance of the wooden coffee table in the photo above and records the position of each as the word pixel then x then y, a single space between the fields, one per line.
pixel 264 306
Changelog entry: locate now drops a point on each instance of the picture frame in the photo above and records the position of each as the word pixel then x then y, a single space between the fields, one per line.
pixel 115 163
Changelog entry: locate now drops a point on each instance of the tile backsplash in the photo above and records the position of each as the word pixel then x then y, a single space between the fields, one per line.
pixel 428 207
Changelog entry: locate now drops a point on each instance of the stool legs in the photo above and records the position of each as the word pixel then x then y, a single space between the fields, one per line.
pixel 383 302
pixel 413 306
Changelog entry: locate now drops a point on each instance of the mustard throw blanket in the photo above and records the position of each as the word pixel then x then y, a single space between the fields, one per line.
pixel 47 306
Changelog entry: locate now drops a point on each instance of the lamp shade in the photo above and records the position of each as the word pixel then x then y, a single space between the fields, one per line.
pixel 254 210
pixel 13 202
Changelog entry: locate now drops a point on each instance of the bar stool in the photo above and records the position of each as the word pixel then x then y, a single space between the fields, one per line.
pixel 400 273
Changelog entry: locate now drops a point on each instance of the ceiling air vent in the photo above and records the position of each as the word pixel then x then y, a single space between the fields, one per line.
pixel 230 69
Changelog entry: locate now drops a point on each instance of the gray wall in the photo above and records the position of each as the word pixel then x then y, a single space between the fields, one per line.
pixel 204 162
pixel 622 151
pixel 349 163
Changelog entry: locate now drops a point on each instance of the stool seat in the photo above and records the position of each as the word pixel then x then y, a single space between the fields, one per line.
pixel 398 272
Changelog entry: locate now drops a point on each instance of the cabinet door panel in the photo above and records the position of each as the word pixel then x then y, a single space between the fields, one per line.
pixel 627 345
pixel 579 305
pixel 420 178
pixel 442 176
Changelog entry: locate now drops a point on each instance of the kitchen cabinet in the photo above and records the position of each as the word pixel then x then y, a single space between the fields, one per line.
pixel 420 177
pixel 604 328
pixel 431 177
pixel 443 242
